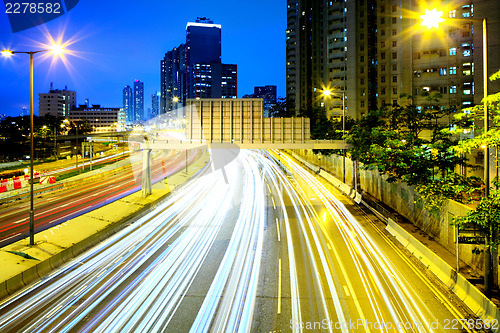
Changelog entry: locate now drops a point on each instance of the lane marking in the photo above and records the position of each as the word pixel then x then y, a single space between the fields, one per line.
pixel 274 205
pixel 279 286
pixel 346 290
pixel 278 228
pixel 328 246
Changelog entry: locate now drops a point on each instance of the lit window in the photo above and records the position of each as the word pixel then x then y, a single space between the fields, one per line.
pixel 466 53
pixel 442 71
pixel 452 13
pixel 466 72
pixel 453 51
pixel 466 91
pixel 453 70
pixel 453 89
pixel 466 14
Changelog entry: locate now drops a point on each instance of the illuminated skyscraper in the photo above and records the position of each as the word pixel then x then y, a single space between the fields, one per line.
pixel 128 104
pixel 155 104
pixel 138 101
pixel 194 69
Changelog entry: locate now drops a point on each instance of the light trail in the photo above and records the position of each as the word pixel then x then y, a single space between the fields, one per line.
pixel 140 279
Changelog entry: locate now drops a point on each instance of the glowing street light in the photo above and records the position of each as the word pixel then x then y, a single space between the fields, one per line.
pixel 56 49
pixel 7 53
pixel 327 93
pixel 432 18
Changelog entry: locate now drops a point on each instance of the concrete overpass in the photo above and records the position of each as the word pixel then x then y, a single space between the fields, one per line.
pixel 235 124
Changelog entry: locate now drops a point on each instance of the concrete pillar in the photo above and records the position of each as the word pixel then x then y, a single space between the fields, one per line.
pixel 146 172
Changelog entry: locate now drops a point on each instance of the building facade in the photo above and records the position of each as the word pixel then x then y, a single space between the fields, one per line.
pixel 101 119
pixel 138 101
pixel 56 102
pixel 195 70
pixel 376 52
pixel 128 104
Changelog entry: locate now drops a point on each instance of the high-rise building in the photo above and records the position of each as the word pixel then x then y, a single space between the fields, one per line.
pixel 56 102
pixel 173 79
pixel 138 101
pixel 155 104
pixel 390 56
pixel 194 69
pixel 128 104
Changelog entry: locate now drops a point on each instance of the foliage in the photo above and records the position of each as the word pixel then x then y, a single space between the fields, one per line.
pixel 454 186
pixel 284 108
pixel 406 143
pixel 486 216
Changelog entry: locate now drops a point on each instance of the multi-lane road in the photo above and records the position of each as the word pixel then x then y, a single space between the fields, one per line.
pixel 59 206
pixel 275 249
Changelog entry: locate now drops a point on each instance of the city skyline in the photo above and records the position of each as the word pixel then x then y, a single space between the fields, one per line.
pixel 108 54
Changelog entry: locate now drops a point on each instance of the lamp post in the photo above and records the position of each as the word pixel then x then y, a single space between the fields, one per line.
pixel 431 19
pixel 327 94
pixel 57 50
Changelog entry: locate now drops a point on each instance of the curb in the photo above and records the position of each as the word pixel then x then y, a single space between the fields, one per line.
pixel 470 295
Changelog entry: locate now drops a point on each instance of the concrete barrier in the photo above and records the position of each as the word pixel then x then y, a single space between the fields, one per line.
pixel 3 290
pixel 470 295
pixel 15 283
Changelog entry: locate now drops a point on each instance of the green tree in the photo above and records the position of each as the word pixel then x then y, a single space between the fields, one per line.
pixel 406 143
pixel 284 108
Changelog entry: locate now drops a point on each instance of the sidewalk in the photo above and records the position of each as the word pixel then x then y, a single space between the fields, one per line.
pixel 23 264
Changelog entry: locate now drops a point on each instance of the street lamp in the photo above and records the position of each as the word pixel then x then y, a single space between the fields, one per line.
pixel 56 50
pixel 327 93
pixel 430 19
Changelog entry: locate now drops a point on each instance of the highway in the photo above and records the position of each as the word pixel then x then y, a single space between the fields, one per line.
pixel 275 249
pixel 59 206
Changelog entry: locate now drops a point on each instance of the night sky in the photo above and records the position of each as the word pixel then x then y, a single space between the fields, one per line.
pixel 116 42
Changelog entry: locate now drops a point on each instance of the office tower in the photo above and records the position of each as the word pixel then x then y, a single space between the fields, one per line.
pixel 173 79
pixel 155 105
pixel 138 101
pixel 128 104
pixel 56 102
pixel 194 69
pixel 390 56
pixel 203 47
